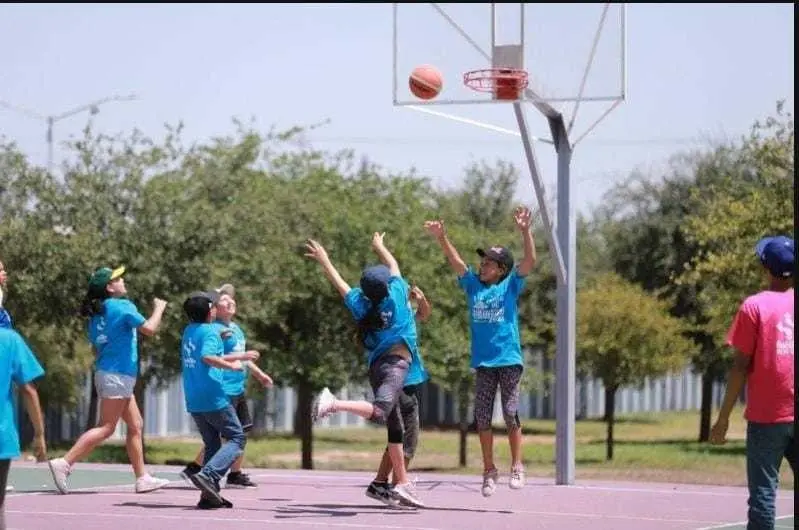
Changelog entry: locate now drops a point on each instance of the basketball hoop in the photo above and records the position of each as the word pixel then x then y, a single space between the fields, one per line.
pixel 505 83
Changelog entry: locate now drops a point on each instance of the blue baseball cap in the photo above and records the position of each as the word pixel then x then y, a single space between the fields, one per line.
pixel 777 255
pixel 374 282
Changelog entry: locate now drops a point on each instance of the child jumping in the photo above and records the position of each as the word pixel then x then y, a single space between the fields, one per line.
pixel 381 489
pixel 387 330
pixel 234 382
pixel 496 354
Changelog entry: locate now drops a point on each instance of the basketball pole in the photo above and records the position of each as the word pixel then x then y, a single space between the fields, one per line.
pixel 563 239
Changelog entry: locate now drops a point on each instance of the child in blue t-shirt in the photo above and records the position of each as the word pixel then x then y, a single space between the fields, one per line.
pixel 380 489
pixel 114 325
pixel 387 331
pixel 234 382
pixel 18 368
pixel 492 294
pixel 203 359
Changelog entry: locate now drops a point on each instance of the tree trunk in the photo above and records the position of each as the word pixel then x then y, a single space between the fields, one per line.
pixel 707 406
pixel 303 424
pixel 610 417
pixel 463 411
pixel 91 417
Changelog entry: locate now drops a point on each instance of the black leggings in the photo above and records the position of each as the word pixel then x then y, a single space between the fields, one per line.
pixel 5 465
pixel 387 377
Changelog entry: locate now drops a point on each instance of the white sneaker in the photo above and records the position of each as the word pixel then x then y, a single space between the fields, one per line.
pixel 517 477
pixel 60 469
pixel 323 405
pixel 406 493
pixel 9 488
pixel 490 482
pixel 148 483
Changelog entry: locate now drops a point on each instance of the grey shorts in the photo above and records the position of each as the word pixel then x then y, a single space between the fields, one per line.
pixel 113 386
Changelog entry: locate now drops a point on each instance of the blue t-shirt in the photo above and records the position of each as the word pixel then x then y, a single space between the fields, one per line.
pixel 400 325
pixel 114 335
pixel 494 319
pixel 202 383
pixel 235 383
pixel 17 365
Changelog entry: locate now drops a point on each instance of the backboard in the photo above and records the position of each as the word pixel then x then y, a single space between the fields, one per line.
pixel 571 51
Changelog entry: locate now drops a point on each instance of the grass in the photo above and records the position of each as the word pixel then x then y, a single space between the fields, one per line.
pixel 649 447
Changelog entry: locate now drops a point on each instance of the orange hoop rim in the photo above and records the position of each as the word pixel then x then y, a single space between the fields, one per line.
pixel 485 80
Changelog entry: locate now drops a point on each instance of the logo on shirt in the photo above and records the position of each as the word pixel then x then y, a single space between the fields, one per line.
pixel 188 354
pixel 102 338
pixel 489 310
pixel 785 335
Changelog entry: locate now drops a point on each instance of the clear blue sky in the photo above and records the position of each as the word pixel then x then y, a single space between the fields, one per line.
pixel 695 70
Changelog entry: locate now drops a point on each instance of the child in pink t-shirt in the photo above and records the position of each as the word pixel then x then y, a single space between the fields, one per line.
pixel 762 336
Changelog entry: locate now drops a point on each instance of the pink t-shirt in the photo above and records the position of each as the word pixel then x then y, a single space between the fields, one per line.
pixel 763 329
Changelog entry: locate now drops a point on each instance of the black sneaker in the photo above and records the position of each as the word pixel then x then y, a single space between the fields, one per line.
pixel 189 470
pixel 383 492
pixel 206 485
pixel 237 479
pixel 207 503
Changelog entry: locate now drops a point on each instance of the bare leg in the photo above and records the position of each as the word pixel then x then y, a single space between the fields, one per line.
pixel 110 412
pixel 133 442
pixel 515 439
pixel 487 448
pixel 236 467
pixel 199 459
pixel 364 409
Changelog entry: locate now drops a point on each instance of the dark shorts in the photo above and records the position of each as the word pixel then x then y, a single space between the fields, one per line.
pixel 242 411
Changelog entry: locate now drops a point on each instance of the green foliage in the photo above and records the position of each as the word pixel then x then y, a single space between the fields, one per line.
pixel 755 200
pixel 625 335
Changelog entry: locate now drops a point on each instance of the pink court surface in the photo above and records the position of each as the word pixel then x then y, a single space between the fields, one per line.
pixel 102 497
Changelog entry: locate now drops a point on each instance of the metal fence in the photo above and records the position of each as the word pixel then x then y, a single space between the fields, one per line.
pixel 165 415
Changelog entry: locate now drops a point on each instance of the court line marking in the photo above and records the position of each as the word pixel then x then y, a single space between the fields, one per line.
pixel 743 523
pixel 227 519
pixel 360 476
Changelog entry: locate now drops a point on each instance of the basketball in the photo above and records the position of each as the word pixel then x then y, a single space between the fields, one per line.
pixel 425 82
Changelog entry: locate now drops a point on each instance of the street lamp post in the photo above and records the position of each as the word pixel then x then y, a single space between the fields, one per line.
pixel 51 120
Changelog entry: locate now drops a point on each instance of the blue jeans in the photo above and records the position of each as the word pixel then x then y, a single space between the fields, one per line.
pixel 214 426
pixel 766 446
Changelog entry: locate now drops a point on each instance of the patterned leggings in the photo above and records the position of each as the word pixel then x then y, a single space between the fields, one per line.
pixel 507 378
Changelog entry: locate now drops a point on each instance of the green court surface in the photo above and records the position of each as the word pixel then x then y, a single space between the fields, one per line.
pixel 30 480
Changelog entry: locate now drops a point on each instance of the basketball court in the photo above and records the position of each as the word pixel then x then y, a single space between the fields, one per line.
pixel 102 496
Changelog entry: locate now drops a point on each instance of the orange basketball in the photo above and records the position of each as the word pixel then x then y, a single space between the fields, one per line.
pixel 425 82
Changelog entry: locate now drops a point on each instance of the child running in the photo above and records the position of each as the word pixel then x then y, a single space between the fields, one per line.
pixel 496 355
pixel 387 330
pixel 202 357
pixel 381 489
pixel 234 382
pixel 113 325
pixel 18 367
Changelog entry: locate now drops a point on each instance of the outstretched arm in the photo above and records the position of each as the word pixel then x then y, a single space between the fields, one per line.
pixel 383 253
pixel 524 219
pixel 437 230
pixel 317 252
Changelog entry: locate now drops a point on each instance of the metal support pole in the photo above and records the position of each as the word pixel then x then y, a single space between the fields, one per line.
pixel 565 356
pixel 555 246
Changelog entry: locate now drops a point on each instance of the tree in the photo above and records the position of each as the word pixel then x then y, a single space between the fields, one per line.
pixel 624 336
pixel 755 201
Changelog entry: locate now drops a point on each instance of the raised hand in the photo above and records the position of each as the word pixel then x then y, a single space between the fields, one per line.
pixel 416 293
pixel 377 239
pixel 315 251
pixel 523 218
pixel 435 228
